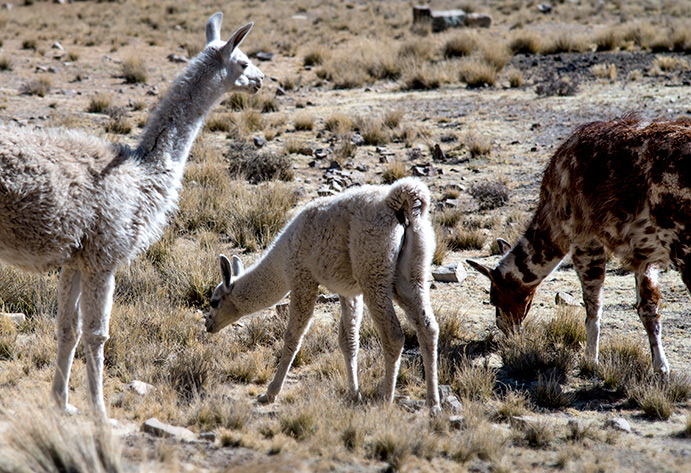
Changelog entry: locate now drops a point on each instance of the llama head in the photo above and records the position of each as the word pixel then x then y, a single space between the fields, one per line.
pixel 238 72
pixel 223 310
pixel 508 294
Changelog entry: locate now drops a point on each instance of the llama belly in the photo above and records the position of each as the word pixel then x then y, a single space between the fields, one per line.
pixel 640 246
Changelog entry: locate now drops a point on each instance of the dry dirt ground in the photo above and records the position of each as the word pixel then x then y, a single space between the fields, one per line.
pixel 523 128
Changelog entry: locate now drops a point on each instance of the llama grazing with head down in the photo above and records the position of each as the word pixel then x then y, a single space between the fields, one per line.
pixel 373 243
pixel 620 186
pixel 75 201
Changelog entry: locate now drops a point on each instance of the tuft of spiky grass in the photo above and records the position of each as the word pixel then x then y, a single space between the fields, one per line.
pixel 477 145
pixel 422 75
pixel 461 238
pixel 299 421
pixel 5 63
pixel 303 122
pixel 31 294
pixel 442 248
pixel 42 441
pixel 480 440
pixel 394 171
pixel 133 70
pixel 373 131
pixel 548 392
pixel 244 160
pixel 393 118
pixel 31 44
pixel 339 123
pixel 609 39
pixel 213 412
pixel 8 338
pixel 315 56
pixel 99 103
pixel 623 361
pixel 513 403
pixel 515 77
pixel 474 381
pixel 463 43
pixel 39 87
pixel 476 72
pixel 565 42
pixel 538 434
pixel 525 42
pixel 119 124
pixel 605 71
pixel 189 372
pixel 669 64
pixel 567 327
pixel 490 195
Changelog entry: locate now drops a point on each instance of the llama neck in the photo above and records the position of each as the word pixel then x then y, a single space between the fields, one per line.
pixel 262 285
pixel 537 253
pixel 177 120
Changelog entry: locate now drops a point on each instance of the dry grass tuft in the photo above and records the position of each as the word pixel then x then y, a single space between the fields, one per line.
pixel 244 160
pixel 303 122
pixel 515 77
pixel 5 63
pixel 477 72
pixel 490 195
pixel 133 70
pixel 605 71
pixel 394 171
pixel 463 43
pixel 525 42
pixel 474 381
pixel 339 123
pixel 477 145
pixel 565 42
pixel 99 103
pixel 548 392
pixel 39 87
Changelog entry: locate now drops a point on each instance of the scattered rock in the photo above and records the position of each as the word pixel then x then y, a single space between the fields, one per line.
pixel 357 140
pixel 259 142
pixel 280 91
pixel 41 69
pixel 54 69
pixel 321 153
pixel 155 427
pixel 177 58
pixel 438 154
pixel 7 6
pixel 440 19
pixel 426 170
pixel 544 8
pixel 566 299
pixel 264 56
pixel 478 20
pixel 324 298
pixel 453 272
pixel 522 422
pixel 415 153
pixel 208 436
pixel 362 167
pixel 16 317
pixel 451 203
pixel 618 423
pixel 452 403
pixel 410 405
pixel 457 422
pixel 140 387
pixel 57 45
pixel 325 191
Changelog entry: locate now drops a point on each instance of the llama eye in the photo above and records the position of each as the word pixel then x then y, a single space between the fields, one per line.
pixel 244 65
pixel 214 303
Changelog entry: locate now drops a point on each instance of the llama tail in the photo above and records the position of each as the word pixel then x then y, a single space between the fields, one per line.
pixel 409 198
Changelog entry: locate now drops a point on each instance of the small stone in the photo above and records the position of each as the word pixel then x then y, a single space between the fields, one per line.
pixel 57 45
pixel 280 91
pixel 259 142
pixel 457 422
pixel 321 153
pixel 264 56
pixel 452 403
pixel 177 58
pixel 357 140
pixel 336 186
pixel 7 6
pixel 362 167
pixel 618 423
pixel 410 405
pixel 451 203
pixel 208 436
pixel 522 422
pixel 565 299
pixel 325 191
pixel 438 154
pixel 54 69
pixel 155 427
pixel 16 317
pixel 41 69
pixel 478 20
pixel 334 165
pixel 453 272
pixel 544 8
pixel 140 387
pixel 306 151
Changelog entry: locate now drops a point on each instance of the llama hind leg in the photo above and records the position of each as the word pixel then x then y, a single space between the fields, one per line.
pixel 349 339
pixel 68 331
pixel 301 308
pixel 589 262
pixel 96 304
pixel 648 304
pixel 380 304
pixel 416 304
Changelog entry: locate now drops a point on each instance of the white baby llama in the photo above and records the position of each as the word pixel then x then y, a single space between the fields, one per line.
pixel 374 242
pixel 75 201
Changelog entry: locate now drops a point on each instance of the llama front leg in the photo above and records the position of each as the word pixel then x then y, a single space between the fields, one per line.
pixel 68 330
pixel 96 304
pixel 301 308
pixel 349 339
pixel 416 304
pixel 589 262
pixel 380 304
pixel 648 304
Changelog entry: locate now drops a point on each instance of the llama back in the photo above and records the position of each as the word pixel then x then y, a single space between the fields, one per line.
pixel 625 183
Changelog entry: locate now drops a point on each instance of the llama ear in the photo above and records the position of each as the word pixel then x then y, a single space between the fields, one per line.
pixel 236 39
pixel 504 246
pixel 238 267
pixel 481 268
pixel 225 270
pixel 213 27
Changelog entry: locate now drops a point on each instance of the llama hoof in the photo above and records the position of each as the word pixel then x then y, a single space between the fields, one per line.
pixel 435 411
pixel 266 398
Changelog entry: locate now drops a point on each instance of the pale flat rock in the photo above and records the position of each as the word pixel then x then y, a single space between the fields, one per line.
pixel 155 427
pixel 565 299
pixel 618 423
pixel 453 272
pixel 478 20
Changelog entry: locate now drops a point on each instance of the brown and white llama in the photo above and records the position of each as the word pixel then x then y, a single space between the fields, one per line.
pixel 620 186
pixel 75 201
pixel 373 243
